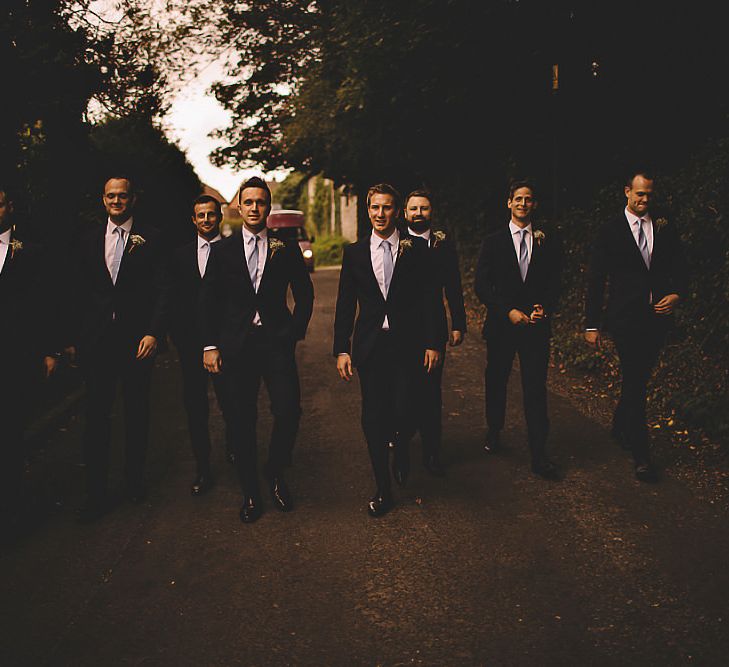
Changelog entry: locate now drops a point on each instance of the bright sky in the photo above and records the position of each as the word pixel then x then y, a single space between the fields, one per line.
pixel 195 113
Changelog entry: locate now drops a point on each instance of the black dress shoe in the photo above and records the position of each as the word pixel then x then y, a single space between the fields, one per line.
pixel 203 483
pixel 280 494
pixel 379 504
pixel 645 472
pixel 545 469
pixel 433 465
pixel 92 510
pixel 493 441
pixel 250 511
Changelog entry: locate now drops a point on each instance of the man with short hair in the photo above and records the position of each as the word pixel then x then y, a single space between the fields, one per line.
pixel 27 335
pixel 386 284
pixel 121 293
pixel 518 280
pixel 249 334
pixel 419 215
pixel 187 269
pixel 643 262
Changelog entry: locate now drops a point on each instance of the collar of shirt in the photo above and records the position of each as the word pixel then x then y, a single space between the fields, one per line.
pixel 127 226
pixel 201 241
pixel 248 235
pixel 633 218
pixel 422 235
pixel 5 237
pixel 515 229
pixel 394 240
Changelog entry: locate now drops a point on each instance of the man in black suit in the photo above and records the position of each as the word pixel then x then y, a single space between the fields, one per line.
pixel 121 293
pixel 26 338
pixel 444 260
pixel 518 280
pixel 387 276
pixel 644 264
pixel 250 334
pixel 187 269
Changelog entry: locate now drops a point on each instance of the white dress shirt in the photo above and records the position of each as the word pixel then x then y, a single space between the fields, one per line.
pixel 516 238
pixel 422 235
pixel 4 247
pixel 378 265
pixel 248 242
pixel 203 252
pixel 634 221
pixel 110 240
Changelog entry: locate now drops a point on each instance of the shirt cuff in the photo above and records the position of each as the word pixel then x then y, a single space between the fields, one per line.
pixel 590 329
pixel 210 347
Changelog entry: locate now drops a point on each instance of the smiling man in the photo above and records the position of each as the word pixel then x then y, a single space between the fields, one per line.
pixel 643 262
pixel 249 334
pixel 122 296
pixel 386 284
pixel 187 268
pixel 518 280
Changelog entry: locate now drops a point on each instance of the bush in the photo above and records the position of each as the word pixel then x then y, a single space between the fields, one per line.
pixel 328 251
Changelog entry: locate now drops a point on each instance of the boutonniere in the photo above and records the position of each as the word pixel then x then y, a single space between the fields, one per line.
pixel 405 244
pixel 15 246
pixel 539 236
pixel 135 240
pixel 275 245
pixel 660 223
pixel 438 238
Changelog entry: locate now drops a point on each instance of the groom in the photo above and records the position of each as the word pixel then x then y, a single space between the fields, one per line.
pixel 386 276
pixel 249 334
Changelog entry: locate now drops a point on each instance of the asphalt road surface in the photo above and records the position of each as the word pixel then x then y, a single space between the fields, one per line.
pixel 489 566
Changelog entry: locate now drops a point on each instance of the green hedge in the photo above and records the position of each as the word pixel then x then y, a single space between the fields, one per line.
pixel 328 250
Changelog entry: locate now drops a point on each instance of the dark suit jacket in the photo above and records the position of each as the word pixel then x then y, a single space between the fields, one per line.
pixel 229 303
pixel 444 260
pixel 138 304
pixel 616 260
pixel 499 285
pixel 29 327
pixel 411 307
pixel 186 285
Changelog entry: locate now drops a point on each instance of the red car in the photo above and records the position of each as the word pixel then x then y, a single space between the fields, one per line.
pixel 290 225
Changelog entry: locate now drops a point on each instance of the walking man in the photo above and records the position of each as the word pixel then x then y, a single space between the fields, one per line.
pixel 121 299
pixel 187 268
pixel 249 334
pixel 518 280
pixel 444 260
pixel 643 262
pixel 386 283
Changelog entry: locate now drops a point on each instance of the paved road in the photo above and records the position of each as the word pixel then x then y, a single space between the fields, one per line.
pixel 488 567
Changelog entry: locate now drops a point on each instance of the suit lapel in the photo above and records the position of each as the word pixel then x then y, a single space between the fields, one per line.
pixel 512 263
pixel 99 255
pixel 241 247
pixel 366 259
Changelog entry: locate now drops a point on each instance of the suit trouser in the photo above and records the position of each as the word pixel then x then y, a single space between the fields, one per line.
pixel 15 380
pixel 195 381
pixel 386 382
pixel 428 408
pixel 638 352
pixel 532 345
pixel 274 362
pixel 110 362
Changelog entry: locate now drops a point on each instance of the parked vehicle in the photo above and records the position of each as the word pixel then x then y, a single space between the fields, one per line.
pixel 289 225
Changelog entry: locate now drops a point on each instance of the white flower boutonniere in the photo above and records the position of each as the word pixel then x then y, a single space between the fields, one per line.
pixel 405 245
pixel 660 223
pixel 15 246
pixel 539 236
pixel 135 240
pixel 438 238
pixel 275 245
